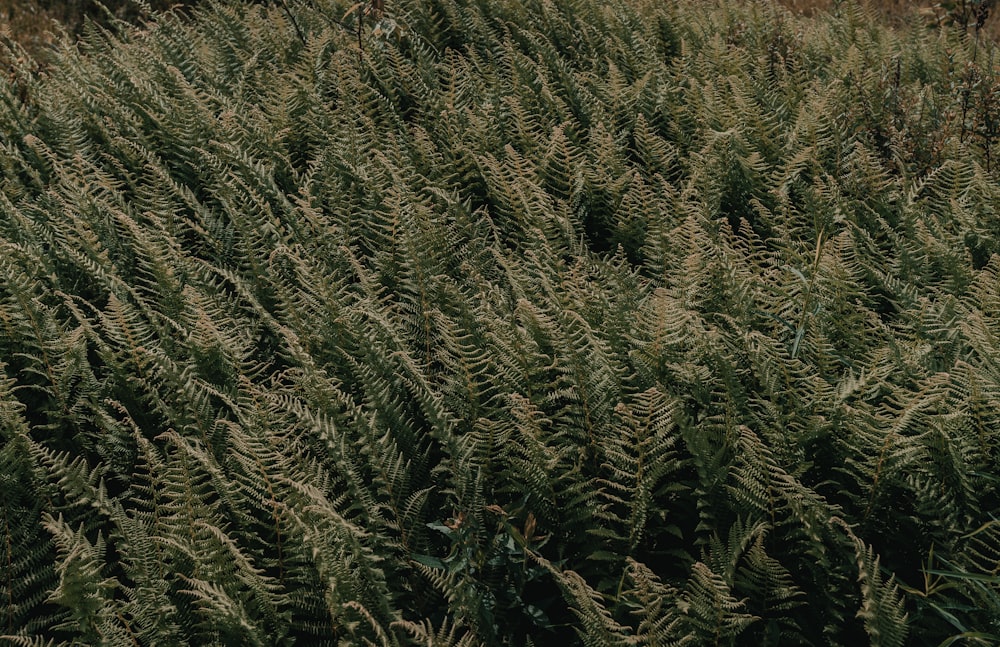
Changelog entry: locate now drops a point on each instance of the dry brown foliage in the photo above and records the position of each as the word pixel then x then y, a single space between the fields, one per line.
pixel 900 12
pixel 35 24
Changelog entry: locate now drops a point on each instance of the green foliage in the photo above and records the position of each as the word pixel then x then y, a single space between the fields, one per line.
pixel 513 322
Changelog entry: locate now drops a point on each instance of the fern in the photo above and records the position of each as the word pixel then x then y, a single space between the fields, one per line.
pixel 881 609
pixel 499 322
pixel 714 615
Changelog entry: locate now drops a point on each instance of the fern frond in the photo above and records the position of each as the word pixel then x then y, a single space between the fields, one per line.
pixel 882 608
pixel 710 610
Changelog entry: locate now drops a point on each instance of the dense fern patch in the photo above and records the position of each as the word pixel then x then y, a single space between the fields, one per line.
pixel 510 322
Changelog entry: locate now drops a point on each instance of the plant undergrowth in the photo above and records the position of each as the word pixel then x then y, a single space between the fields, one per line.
pixel 511 322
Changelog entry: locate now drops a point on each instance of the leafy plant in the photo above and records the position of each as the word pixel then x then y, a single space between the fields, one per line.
pixel 519 322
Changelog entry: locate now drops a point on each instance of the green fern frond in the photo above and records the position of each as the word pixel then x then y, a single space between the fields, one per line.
pixel 710 610
pixel 882 607
pixel 638 461
pixel 597 626
pixel 84 589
